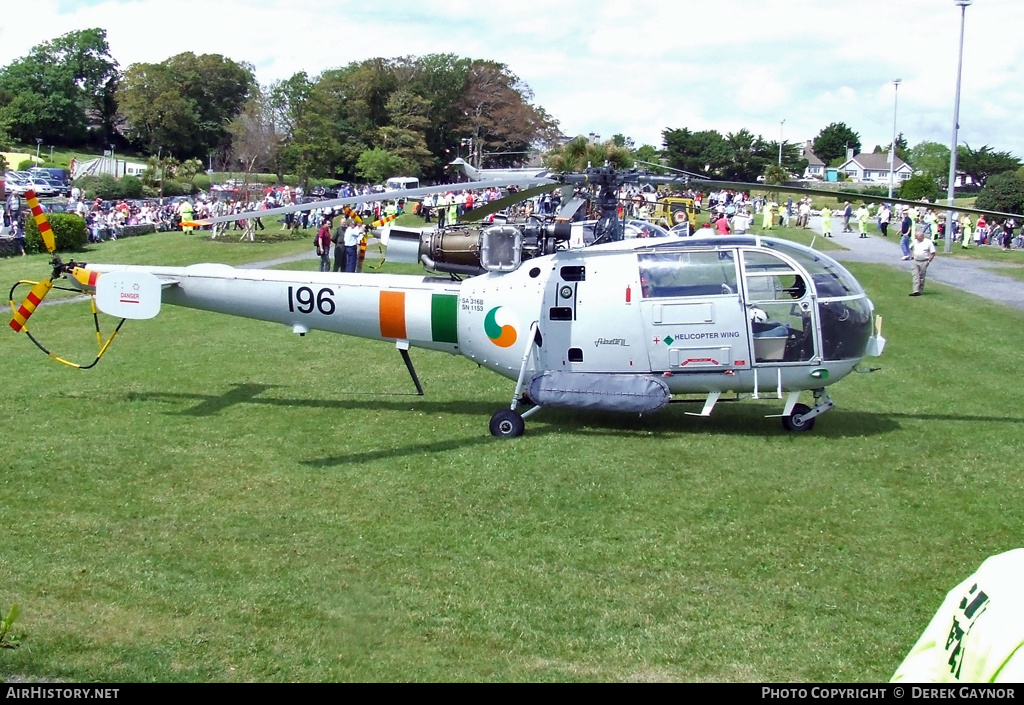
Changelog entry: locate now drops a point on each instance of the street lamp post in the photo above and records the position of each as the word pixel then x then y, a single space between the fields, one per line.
pixel 39 141
pixel 951 187
pixel 113 159
pixel 892 150
pixel 160 170
pixel 781 123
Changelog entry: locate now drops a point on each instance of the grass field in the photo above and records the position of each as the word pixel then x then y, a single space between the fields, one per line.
pixel 221 500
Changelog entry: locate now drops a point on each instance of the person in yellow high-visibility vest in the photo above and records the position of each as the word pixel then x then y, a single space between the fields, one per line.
pixel 453 212
pixel 977 636
pixel 968 233
pixel 185 211
pixel 768 215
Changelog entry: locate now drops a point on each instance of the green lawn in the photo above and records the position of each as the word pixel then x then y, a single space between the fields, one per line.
pixel 221 500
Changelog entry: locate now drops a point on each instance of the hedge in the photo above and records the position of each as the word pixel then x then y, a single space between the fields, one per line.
pixel 69 232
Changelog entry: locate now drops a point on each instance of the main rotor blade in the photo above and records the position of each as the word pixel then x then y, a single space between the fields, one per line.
pixel 352 200
pixel 848 195
pixel 41 222
pixel 478 214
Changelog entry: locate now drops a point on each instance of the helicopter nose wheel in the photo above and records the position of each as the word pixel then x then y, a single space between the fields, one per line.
pixel 796 421
pixel 507 423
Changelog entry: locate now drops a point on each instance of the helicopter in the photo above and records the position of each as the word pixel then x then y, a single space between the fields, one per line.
pixel 531 176
pixel 578 314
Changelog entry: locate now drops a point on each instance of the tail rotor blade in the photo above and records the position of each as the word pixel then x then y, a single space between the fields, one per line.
pixel 41 222
pixel 29 305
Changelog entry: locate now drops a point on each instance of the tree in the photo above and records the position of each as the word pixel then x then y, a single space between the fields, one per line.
pixel 833 141
pixel 254 141
pixel 982 163
pixel 499 116
pixel 648 156
pixel 61 91
pixel 405 135
pixel 1002 192
pixel 377 165
pixel 301 115
pixel 920 186
pixel 580 152
pixel 931 159
pixel 749 156
pixel 184 103
pixel 706 152
pixel 775 174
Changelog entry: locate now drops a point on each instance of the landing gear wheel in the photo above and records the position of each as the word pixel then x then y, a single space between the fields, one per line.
pixel 507 424
pixel 794 422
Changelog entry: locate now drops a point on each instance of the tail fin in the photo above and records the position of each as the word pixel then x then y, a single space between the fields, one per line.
pixel 471 173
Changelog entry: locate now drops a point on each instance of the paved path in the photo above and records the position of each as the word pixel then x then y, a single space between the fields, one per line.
pixel 974 276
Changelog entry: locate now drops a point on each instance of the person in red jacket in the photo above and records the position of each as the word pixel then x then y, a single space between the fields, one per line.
pixel 323 245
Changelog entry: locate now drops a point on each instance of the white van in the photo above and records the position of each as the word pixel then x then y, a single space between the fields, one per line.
pixel 401 183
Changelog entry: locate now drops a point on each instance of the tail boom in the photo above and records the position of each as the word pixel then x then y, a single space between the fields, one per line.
pixel 420 310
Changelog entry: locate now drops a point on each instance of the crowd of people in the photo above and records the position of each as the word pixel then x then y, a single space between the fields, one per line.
pixel 721 212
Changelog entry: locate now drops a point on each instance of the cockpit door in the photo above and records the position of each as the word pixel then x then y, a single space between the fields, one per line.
pixel 781 310
pixel 692 313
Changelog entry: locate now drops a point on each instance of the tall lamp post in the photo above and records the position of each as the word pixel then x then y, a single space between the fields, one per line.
pixel 781 123
pixel 39 141
pixel 892 150
pixel 951 188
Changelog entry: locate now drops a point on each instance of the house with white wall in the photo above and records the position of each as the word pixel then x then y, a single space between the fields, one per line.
pixel 874 168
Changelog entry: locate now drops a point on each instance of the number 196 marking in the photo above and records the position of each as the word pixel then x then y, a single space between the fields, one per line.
pixel 305 301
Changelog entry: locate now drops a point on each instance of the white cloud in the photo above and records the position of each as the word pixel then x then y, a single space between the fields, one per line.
pixel 623 67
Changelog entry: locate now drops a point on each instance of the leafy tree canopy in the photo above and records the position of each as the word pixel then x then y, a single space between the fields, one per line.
pixel 183 104
pixel 920 186
pixel 931 159
pixel 833 141
pixel 377 165
pixel 580 152
pixel 737 156
pixel 61 91
pixel 982 163
pixel 1002 192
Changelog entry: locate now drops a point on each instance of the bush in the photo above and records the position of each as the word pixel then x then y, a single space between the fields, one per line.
pixel 875 191
pixel 177 188
pixel 917 187
pixel 26 164
pixel 108 188
pixel 69 233
pixel 1002 192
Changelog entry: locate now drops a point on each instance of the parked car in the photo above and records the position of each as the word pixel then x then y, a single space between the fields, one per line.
pixel 41 188
pixel 61 176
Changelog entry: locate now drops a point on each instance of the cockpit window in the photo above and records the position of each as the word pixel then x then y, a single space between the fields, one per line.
pixel 831 280
pixel 664 274
pixel 755 262
pixel 641 228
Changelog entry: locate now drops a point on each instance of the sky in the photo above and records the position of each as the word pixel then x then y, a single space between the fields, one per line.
pixel 779 68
